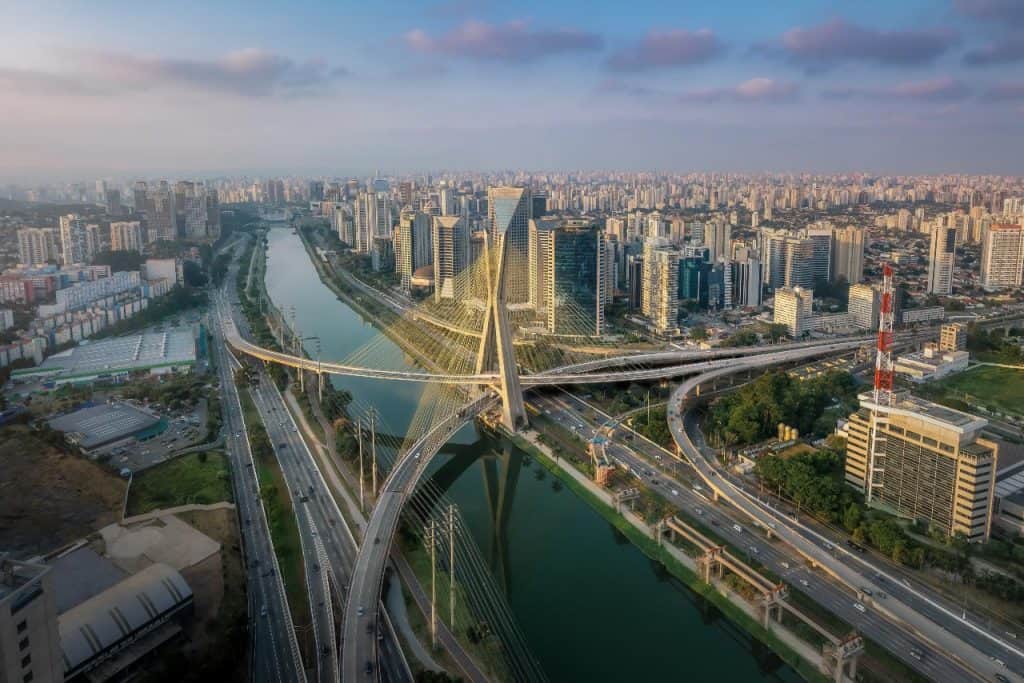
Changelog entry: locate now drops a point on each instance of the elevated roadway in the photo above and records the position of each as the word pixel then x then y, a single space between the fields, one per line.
pixel 359 656
pixel 974 647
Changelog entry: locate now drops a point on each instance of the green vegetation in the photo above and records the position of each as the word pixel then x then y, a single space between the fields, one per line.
pixel 197 478
pixel 814 481
pixel 742 338
pixel 119 260
pixel 652 550
pixel 284 529
pixel 476 635
pixel 753 412
pixel 656 428
pixel 995 388
pixel 993 346
pixel 176 392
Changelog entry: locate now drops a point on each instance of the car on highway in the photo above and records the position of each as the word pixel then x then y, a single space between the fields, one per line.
pixel 805 583
pixel 860 608
pixel 675 492
pixel 263 611
pixel 916 654
pixel 737 528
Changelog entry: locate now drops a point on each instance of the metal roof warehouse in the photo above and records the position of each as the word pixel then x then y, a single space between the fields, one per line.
pixel 115 359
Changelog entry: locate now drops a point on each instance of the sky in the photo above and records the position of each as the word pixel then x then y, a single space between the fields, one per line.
pixel 325 87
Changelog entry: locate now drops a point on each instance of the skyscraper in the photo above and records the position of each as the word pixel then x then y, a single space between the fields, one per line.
pixel 746 279
pixel 821 239
pixel 802 264
pixel 37 246
pixel 112 202
pixel 539 258
pixel 849 254
pixel 717 238
pixel 75 243
pixel 126 236
pixel 509 211
pixel 451 254
pixel 413 247
pixel 575 281
pixel 160 217
pixel 660 292
pixel 139 192
pixel 941 259
pixel 1002 256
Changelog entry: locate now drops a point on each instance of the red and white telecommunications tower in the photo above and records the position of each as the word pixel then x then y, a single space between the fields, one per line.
pixel 883 356
pixel 883 397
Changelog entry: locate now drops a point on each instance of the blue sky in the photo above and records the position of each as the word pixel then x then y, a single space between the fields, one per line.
pixel 110 88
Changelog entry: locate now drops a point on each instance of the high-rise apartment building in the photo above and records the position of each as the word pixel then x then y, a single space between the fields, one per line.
pixel 1002 256
pixel 865 305
pixel 659 299
pixel 509 210
pixel 78 241
pixel 802 262
pixel 924 461
pixel 112 202
pixel 575 281
pixel 316 190
pixel 849 254
pixel 793 308
pixel 30 649
pixel 38 246
pixel 372 219
pixel 539 260
pixel 941 260
pixel 126 236
pixel 746 279
pixel 160 216
pixel 451 254
pixel 413 245
pixel 717 238
pixel 139 193
pixel 821 239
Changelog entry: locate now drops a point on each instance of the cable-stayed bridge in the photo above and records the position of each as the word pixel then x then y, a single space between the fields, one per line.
pixel 472 364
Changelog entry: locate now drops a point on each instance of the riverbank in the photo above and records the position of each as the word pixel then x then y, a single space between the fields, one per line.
pixel 806 663
pixel 645 544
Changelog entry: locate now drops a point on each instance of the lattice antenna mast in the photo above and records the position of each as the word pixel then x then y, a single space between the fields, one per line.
pixel 883 356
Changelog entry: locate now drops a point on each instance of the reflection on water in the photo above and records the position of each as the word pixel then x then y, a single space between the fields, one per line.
pixel 591 605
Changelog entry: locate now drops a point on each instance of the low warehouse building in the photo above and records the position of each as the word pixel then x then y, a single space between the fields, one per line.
pixel 115 360
pixel 123 623
pixel 101 425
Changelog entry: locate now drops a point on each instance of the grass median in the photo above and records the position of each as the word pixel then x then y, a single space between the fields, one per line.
pixel 284 528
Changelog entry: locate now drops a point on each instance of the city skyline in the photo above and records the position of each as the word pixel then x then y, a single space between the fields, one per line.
pixel 831 87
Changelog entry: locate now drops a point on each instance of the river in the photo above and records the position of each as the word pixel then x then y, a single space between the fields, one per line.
pixel 591 606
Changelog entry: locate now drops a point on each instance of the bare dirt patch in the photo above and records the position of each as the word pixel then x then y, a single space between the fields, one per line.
pixel 49 498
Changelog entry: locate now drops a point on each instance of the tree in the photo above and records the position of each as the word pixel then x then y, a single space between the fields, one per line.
pixel 193 274
pixel 699 333
pixel 119 260
pixel 852 517
pixel 777 331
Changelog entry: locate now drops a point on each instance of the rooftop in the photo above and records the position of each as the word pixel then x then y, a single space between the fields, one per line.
pixel 100 424
pixel 926 409
pixel 121 354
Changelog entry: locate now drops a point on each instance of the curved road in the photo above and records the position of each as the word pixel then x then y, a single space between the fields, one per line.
pixel 922 614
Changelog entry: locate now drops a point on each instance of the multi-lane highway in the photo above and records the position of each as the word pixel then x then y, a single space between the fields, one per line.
pixel 677 484
pixel 360 654
pixel 916 607
pixel 275 655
